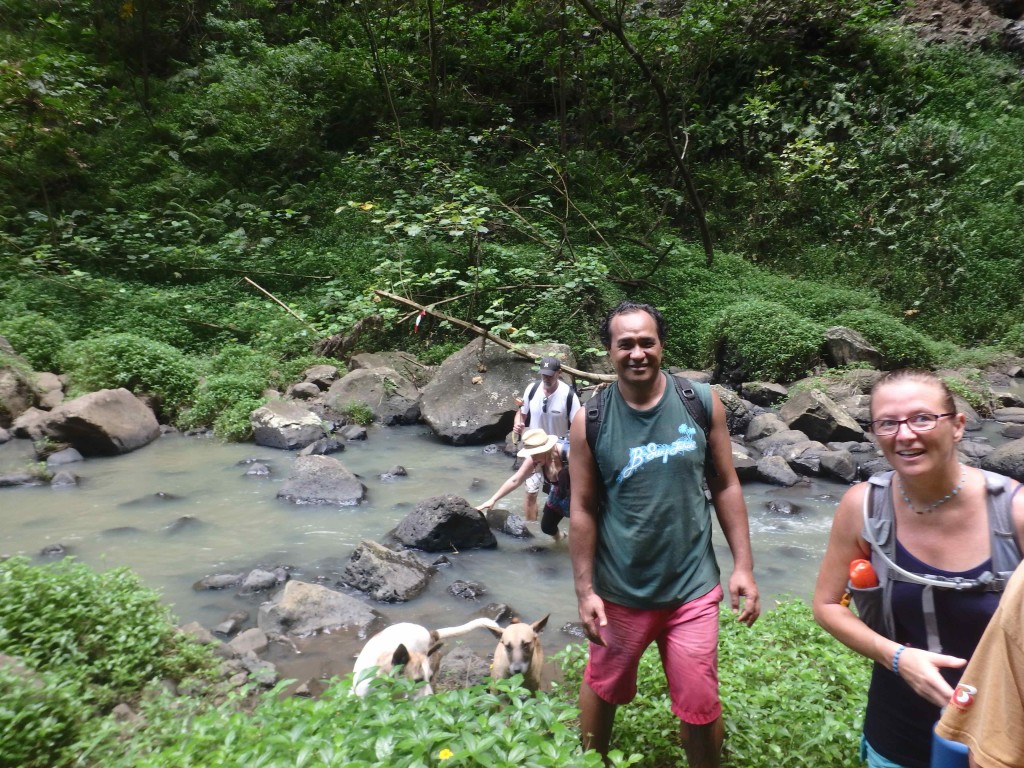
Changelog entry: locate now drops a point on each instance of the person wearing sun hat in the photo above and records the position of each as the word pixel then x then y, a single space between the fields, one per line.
pixel 549 404
pixel 542 457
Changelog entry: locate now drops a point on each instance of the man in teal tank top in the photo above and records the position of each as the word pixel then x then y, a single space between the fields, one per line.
pixel 640 539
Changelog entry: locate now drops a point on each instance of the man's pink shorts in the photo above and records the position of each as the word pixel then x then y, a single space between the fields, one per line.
pixel 687 639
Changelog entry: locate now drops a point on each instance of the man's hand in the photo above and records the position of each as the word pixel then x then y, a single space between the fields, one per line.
pixel 742 584
pixel 592 616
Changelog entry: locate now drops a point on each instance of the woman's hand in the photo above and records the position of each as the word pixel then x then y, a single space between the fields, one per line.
pixel 920 668
pixel 487 505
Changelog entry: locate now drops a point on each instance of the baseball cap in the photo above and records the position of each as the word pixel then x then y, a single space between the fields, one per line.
pixel 549 365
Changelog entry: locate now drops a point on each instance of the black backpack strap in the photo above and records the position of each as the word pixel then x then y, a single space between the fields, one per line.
pixel 595 412
pixel 684 387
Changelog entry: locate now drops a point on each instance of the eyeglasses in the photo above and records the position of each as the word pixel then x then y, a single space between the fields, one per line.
pixel 922 422
pixel 544 404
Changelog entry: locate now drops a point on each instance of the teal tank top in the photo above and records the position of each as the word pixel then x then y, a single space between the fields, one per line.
pixel 654 527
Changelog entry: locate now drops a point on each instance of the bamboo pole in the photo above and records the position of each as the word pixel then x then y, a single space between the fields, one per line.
pixel 280 303
pixel 490 336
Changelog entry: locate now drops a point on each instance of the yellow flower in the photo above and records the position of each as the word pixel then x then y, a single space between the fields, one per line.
pixel 444 754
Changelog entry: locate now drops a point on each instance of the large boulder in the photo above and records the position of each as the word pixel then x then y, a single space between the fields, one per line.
pixel 104 423
pixel 386 575
pixel 471 399
pixel 285 424
pixel 408 366
pixel 443 523
pixel 322 480
pixel 1007 459
pixel 17 394
pixel 303 609
pixel 817 415
pixel 392 397
pixel 737 414
pixel 843 346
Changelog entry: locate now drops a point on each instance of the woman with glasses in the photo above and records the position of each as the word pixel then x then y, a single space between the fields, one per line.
pixel 547 455
pixel 937 518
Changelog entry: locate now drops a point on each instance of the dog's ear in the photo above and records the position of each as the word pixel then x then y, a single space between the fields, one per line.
pixel 401 656
pixel 496 632
pixel 539 625
pixel 435 648
pixel 434 637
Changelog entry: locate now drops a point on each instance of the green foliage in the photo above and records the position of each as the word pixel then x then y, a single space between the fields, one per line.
pixel 902 347
pixel 35 337
pixel 137 363
pixel 466 727
pixel 104 631
pixel 1013 339
pixel 791 696
pixel 357 413
pixel 759 340
pixel 40 717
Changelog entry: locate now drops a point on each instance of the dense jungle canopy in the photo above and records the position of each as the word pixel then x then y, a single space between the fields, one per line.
pixel 202 189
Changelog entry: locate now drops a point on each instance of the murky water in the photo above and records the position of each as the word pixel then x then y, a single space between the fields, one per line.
pixel 182 508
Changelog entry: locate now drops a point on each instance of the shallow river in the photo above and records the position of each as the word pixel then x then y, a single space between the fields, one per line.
pixel 182 508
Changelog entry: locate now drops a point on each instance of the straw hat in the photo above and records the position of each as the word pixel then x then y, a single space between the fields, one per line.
pixel 536 441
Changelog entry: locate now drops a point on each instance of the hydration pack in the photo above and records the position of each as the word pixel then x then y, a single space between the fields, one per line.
pixel 874 604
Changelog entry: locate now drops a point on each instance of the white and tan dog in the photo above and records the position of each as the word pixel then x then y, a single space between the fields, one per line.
pixel 519 652
pixel 411 647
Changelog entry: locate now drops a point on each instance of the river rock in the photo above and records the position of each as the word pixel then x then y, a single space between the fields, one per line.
pixel 17 394
pixel 443 523
pixel 60 458
pixel 50 390
pixel 1009 415
pixel 258 470
pixel 323 447
pixel 303 391
pixel 1007 459
pixel 1012 431
pixel 775 470
pixel 508 523
pixel 64 478
pixel 5 436
pixel 15 479
pixel 461 668
pixel 104 423
pixel 30 424
pixel 737 414
pixel 302 609
pixel 763 393
pixel 218 581
pixel 259 580
pixel 471 399
pixel 253 639
pixel 843 346
pixel 407 365
pixel 285 424
pixel 353 432
pixel 818 416
pixel 386 575
pixel 322 480
pixel 839 464
pixel 392 397
pixel 763 425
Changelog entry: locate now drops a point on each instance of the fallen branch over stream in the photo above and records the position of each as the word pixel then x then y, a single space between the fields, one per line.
pixel 490 336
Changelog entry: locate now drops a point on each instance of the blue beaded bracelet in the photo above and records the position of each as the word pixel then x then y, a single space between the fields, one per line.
pixel 896 659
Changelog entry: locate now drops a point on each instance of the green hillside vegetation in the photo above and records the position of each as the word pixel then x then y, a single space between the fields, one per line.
pixel 166 169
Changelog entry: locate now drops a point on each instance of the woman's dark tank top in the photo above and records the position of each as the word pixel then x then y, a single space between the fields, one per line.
pixel 898 722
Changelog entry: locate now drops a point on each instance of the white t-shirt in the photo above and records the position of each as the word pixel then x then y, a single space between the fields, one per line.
pixel 553 413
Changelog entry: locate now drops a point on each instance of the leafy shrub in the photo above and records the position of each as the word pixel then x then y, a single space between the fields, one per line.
pixel 233 423
pixel 219 393
pixel 791 696
pixel 357 413
pixel 902 347
pixel 40 717
pixel 466 727
pixel 36 337
pixel 1014 339
pixel 134 362
pixel 436 354
pixel 103 630
pixel 760 340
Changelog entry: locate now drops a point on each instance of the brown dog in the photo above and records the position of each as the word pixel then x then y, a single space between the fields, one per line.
pixel 519 652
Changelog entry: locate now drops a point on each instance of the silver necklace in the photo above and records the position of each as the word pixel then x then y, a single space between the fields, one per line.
pixel 935 504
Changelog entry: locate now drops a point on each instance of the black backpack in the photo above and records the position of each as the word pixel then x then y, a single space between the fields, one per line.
pixel 684 387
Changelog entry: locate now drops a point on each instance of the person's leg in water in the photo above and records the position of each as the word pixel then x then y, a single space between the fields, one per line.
pixel 550 517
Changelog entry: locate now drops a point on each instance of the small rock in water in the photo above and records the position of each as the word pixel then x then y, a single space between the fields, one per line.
pixel 467 590
pixel 783 508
